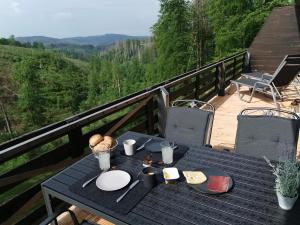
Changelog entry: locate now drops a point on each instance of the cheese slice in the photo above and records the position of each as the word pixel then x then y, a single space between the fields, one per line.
pixel 194 177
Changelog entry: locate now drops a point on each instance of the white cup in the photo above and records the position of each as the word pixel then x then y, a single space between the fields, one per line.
pixel 129 146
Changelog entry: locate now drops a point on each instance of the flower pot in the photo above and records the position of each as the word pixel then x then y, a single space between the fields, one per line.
pixel 286 203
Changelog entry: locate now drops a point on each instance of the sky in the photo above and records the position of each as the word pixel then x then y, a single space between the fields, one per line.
pixel 69 18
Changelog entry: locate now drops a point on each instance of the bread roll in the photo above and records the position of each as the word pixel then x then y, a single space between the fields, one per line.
pixel 108 141
pixel 101 147
pixel 95 139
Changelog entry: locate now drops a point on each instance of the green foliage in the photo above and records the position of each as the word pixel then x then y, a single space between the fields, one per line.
pixel 287 177
pixel 172 38
pixel 236 22
pixel 45 84
pixel 49 87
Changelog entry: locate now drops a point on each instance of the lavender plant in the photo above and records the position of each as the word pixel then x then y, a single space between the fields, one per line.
pixel 287 179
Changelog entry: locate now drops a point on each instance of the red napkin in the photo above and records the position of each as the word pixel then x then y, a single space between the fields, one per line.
pixel 218 184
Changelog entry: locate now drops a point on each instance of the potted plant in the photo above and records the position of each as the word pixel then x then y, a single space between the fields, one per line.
pixel 287 182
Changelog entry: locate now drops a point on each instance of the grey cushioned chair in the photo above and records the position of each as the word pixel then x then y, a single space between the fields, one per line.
pixel 189 122
pixel 267 132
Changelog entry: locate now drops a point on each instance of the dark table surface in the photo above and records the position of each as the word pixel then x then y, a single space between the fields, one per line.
pixel 251 201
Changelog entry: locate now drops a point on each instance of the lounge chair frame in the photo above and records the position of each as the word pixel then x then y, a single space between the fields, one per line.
pixel 266 86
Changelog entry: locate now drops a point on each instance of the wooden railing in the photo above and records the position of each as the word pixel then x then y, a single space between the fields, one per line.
pixel 136 112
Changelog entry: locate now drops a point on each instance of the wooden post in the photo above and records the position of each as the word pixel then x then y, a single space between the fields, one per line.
pixel 150 117
pixel 197 83
pixel 246 63
pixel 76 145
pixel 220 79
pixel 163 101
pixel 234 68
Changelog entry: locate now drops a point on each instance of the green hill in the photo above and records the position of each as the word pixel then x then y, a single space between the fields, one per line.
pixel 38 88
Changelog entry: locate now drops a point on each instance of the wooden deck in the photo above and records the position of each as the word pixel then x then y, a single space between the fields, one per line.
pixel 224 129
pixel 229 106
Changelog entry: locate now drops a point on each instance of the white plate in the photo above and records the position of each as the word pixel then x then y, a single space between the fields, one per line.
pixel 113 180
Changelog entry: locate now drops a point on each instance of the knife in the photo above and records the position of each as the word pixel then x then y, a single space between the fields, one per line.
pixel 125 193
pixel 143 145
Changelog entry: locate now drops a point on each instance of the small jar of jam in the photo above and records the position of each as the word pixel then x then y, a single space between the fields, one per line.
pixel 147 162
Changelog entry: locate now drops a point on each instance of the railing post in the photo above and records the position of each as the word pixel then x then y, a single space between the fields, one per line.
pixel 150 117
pixel 234 68
pixel 197 84
pixel 246 62
pixel 220 79
pixel 163 101
pixel 76 145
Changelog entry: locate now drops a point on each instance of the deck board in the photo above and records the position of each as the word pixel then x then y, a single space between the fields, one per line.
pixel 223 133
pixel 229 106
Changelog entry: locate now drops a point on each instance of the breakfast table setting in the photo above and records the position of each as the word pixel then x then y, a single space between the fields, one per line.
pixel 144 179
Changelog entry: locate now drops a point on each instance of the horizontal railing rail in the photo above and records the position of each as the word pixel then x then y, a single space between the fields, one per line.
pixel 138 112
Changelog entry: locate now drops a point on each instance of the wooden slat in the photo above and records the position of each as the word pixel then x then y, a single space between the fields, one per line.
pixel 51 157
pixel 278 37
pixel 123 121
pixel 29 204
pixel 29 174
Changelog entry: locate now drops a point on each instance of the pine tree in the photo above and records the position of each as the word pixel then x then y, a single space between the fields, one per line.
pixel 30 101
pixel 202 36
pixel 94 90
pixel 172 38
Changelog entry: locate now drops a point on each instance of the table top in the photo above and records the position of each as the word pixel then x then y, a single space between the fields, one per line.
pixel 251 201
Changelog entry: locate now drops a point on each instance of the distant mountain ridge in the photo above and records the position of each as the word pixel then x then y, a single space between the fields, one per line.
pixel 96 40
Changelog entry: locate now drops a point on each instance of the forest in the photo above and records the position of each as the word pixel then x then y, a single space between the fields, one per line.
pixel 41 85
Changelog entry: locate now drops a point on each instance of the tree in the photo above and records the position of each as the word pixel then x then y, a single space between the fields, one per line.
pixel 11 40
pixel 94 90
pixel 30 101
pixel 202 35
pixel 236 23
pixel 172 38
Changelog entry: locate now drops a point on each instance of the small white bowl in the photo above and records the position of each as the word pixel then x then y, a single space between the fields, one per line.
pixel 171 173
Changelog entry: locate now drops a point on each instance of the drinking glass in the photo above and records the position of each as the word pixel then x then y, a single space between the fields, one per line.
pixel 104 160
pixel 167 152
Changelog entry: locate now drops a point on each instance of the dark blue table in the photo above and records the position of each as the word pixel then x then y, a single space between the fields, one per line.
pixel 251 201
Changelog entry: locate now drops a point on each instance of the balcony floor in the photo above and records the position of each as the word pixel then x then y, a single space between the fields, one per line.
pixel 224 129
pixel 229 106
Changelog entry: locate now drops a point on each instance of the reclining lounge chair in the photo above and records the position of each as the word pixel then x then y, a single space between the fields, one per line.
pixel 283 76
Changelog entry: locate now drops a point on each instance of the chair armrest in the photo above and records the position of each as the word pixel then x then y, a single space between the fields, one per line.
pixel 263 83
pixel 266 76
pixel 56 214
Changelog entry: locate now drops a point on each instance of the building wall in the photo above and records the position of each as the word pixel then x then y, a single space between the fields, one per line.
pixel 279 36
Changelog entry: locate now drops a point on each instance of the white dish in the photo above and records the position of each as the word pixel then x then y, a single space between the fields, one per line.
pixel 113 180
pixel 171 173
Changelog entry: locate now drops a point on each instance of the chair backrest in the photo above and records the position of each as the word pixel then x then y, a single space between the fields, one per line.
pixel 272 136
pixel 287 71
pixel 189 126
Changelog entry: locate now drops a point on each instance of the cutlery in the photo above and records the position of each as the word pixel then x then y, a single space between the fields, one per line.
pixel 125 193
pixel 89 181
pixel 143 145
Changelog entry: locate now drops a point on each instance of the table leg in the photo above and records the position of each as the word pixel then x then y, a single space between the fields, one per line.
pixel 47 199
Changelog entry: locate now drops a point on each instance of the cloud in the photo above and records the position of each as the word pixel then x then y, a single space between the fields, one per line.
pixel 15 6
pixel 62 15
